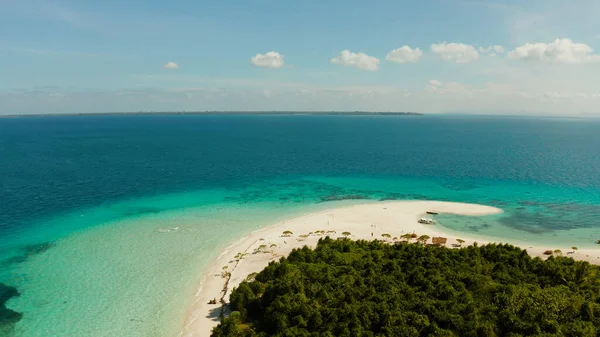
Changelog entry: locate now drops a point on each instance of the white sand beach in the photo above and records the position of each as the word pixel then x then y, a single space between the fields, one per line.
pixel 363 222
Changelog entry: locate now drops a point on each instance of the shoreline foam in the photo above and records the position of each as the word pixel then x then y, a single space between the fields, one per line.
pixel 365 222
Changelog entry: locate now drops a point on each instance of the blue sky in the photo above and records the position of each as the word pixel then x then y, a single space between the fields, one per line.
pixel 534 57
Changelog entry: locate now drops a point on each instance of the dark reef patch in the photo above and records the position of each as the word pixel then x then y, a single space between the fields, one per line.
pixel 343 197
pixel 134 211
pixel 303 190
pixel 36 249
pixel 29 251
pixel 496 203
pixel 460 186
pixel 8 317
pixel 542 217
pixel 393 196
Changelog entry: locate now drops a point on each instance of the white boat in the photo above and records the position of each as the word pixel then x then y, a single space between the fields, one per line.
pixel 427 221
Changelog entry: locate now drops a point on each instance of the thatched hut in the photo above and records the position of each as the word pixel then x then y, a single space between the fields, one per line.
pixel 439 241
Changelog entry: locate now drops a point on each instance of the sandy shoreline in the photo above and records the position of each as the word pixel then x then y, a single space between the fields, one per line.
pixel 364 222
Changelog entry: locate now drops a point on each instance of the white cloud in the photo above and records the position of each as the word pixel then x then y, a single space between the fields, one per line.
pixel 496 49
pixel 561 50
pixel 457 52
pixel 450 88
pixel 171 66
pixel 404 54
pixel 358 60
pixel 433 85
pixel 271 59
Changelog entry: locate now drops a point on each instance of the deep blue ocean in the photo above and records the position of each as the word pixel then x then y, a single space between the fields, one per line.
pixel 65 177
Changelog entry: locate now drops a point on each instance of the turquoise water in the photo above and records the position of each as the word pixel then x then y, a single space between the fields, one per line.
pixel 106 223
pixel 130 277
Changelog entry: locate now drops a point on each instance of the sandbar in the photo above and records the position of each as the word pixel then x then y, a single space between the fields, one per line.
pixel 364 222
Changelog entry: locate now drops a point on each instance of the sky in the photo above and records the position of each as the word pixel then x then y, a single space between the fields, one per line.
pixel 529 57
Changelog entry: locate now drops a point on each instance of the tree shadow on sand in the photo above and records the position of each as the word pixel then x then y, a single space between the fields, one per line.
pixel 217 312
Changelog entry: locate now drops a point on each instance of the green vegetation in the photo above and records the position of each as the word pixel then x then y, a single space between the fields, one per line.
pixel 251 277
pixel 347 288
pixel 346 234
pixel 406 237
pixel 261 249
pixel 240 256
pixel 423 239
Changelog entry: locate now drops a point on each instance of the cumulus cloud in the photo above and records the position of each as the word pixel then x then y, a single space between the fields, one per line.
pixel 358 60
pixel 457 52
pixel 171 66
pixel 561 50
pixel 492 50
pixel 271 59
pixel 453 89
pixel 404 54
pixel 433 85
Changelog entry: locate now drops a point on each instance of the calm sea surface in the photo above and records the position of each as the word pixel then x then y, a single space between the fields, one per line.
pixel 106 222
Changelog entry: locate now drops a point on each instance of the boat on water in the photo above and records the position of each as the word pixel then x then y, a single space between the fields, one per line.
pixel 432 212
pixel 427 221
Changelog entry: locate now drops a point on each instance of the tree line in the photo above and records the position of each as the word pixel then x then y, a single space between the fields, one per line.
pixel 362 288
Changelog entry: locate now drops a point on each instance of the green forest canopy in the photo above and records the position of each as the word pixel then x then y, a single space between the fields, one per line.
pixel 360 288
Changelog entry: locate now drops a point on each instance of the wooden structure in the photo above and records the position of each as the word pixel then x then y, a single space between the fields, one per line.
pixel 439 241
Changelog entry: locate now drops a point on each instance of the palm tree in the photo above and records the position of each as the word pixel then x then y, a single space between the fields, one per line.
pixel 287 233
pixel 346 234
pixel 386 235
pixel 460 242
pixel 582 271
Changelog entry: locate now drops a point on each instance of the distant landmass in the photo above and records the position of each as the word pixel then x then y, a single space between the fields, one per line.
pixel 320 113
